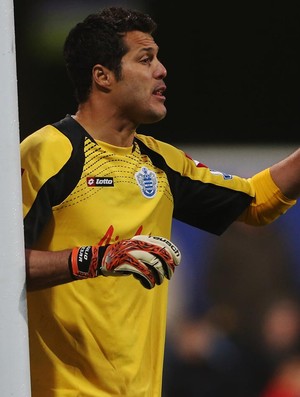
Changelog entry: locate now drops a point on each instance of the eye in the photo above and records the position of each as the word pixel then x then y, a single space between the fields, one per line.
pixel 146 60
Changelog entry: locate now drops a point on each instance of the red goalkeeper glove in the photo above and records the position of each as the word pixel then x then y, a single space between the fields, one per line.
pixel 148 258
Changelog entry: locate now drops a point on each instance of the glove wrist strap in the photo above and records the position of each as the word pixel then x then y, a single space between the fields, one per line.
pixel 84 262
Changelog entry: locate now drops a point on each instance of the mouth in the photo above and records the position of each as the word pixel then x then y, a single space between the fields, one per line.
pixel 160 91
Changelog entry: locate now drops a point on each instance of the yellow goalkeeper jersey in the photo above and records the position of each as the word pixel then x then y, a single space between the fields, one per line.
pixel 104 337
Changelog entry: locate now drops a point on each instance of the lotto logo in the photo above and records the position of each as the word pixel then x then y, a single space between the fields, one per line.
pixel 97 181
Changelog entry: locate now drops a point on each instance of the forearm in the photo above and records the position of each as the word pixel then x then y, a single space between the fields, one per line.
pixel 269 201
pixel 46 269
pixel 286 175
pixel 149 259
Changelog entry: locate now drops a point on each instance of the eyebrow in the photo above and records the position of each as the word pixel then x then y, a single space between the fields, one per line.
pixel 151 49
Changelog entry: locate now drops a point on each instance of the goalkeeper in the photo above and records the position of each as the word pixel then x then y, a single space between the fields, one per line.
pixel 98 200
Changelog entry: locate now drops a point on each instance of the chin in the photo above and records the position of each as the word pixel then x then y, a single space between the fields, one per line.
pixel 156 117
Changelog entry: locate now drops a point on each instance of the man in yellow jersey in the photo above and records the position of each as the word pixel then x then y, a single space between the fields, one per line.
pixel 99 199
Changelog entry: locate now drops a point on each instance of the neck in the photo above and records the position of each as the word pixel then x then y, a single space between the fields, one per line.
pixel 105 127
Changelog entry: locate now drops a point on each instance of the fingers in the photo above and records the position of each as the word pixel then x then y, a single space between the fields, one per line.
pixel 149 259
pixel 118 260
pixel 148 269
pixel 166 245
pixel 162 248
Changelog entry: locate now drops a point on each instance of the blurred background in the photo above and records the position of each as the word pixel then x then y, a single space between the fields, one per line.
pixel 233 69
pixel 233 103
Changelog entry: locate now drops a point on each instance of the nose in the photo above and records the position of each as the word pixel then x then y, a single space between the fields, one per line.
pixel 161 71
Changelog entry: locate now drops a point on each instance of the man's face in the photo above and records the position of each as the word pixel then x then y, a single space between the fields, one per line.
pixel 139 92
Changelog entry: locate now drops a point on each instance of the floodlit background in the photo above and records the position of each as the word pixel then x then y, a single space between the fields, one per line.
pixel 233 103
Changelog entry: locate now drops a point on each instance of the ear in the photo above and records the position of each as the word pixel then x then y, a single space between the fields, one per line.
pixel 102 77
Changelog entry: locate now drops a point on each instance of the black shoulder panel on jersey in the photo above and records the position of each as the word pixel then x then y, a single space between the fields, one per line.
pixel 62 184
pixel 57 188
pixel 205 206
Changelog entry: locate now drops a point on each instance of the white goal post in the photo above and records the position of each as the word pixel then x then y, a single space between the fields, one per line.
pixel 14 349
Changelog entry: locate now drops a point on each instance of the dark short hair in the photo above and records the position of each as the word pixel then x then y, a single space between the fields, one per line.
pixel 99 39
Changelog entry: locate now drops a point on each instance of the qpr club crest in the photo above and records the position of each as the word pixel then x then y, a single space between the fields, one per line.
pixel 147 181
